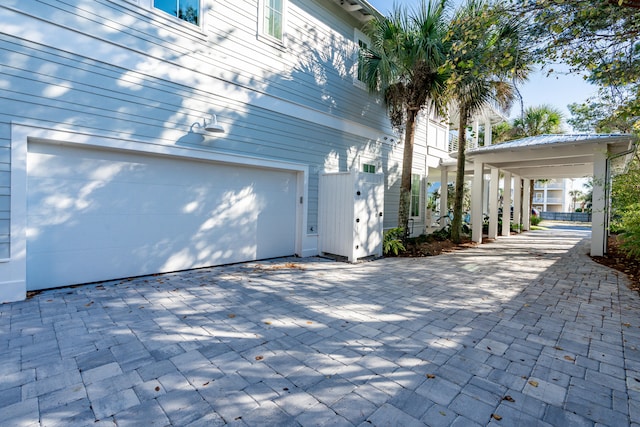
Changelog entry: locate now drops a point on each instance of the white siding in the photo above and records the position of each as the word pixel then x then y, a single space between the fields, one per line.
pixel 118 69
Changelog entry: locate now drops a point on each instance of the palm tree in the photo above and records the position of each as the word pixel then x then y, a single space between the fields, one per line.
pixel 539 120
pixel 405 63
pixel 486 59
pixel 575 195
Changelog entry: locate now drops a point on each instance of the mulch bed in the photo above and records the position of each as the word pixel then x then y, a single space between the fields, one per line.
pixel 617 259
pixel 429 246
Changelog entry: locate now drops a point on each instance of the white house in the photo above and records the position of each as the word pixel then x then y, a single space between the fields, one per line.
pixel 146 136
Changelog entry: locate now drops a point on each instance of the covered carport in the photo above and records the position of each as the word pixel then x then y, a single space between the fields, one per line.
pixel 545 157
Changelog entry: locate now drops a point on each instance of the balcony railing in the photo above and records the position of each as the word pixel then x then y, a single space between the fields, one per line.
pixel 453 143
pixel 550 200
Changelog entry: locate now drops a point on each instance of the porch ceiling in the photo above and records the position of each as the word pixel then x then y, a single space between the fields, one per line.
pixel 552 156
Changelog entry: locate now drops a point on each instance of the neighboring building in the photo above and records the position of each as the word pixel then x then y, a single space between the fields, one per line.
pixel 554 195
pixel 112 163
pixel 551 195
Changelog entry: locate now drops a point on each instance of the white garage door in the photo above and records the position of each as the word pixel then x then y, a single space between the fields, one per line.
pixel 97 215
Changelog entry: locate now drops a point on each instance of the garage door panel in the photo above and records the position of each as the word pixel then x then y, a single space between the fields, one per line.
pixel 85 226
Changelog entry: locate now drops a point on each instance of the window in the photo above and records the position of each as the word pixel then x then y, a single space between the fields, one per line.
pixel 367 168
pixel 187 10
pixel 273 18
pixel 363 43
pixel 415 195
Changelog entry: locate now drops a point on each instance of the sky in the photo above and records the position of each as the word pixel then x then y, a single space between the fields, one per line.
pixel 557 90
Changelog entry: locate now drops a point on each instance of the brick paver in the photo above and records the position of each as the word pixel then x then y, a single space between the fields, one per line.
pixel 527 330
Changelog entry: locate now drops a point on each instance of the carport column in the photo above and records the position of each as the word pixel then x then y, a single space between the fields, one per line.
pixel 444 177
pixel 477 192
pixel 506 205
pixel 494 186
pixel 526 209
pixel 517 201
pixel 599 202
pixel 476 133
pixel 487 133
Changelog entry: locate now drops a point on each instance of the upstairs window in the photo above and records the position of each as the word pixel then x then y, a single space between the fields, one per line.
pixel 362 43
pixel 187 10
pixel 273 18
pixel 367 168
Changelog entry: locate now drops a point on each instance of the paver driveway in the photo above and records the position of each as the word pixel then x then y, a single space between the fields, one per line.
pixel 523 331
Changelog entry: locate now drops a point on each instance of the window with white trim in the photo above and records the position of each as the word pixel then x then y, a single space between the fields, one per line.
pixel 361 42
pixel 273 18
pixel 368 168
pixel 187 10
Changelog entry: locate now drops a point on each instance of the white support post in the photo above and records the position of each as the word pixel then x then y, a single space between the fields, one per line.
pixel 506 205
pixel 444 177
pixel 477 193
pixel 494 186
pixel 599 203
pixel 476 133
pixel 487 133
pixel 517 201
pixel 526 208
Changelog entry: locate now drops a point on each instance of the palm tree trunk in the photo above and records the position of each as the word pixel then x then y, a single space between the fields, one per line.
pixel 532 183
pixel 456 224
pixel 407 166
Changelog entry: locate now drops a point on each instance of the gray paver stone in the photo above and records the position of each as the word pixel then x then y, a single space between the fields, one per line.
pixel 439 391
pixel 113 403
pixel 389 415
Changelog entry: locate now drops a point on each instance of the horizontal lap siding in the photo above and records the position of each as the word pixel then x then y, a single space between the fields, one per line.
pixel 118 69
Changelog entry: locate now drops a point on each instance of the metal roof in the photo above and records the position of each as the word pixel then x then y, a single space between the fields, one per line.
pixel 548 139
pixel 554 156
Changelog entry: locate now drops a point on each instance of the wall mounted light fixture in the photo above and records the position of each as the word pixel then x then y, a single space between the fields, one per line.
pixel 214 126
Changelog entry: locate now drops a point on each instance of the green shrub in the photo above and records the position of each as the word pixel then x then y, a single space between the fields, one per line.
pixel 535 220
pixel 442 234
pixel 631 234
pixel 392 242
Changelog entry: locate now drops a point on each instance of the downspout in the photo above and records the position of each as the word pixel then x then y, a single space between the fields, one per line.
pixel 608 190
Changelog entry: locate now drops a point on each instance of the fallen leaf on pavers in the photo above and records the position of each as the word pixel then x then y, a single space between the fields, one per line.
pixel 89 304
pixel 285 389
pixel 237 418
pixel 569 358
pixel 558 348
pixel 444 414
pixel 141 307
pixel 496 417
pixel 267 323
pixel 157 388
pixel 309 322
pixel 205 384
pixel 259 357
pixel 509 399
pixel 431 376
pixel 628 325
pixel 526 305
pixel 533 383
pixel 231 315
